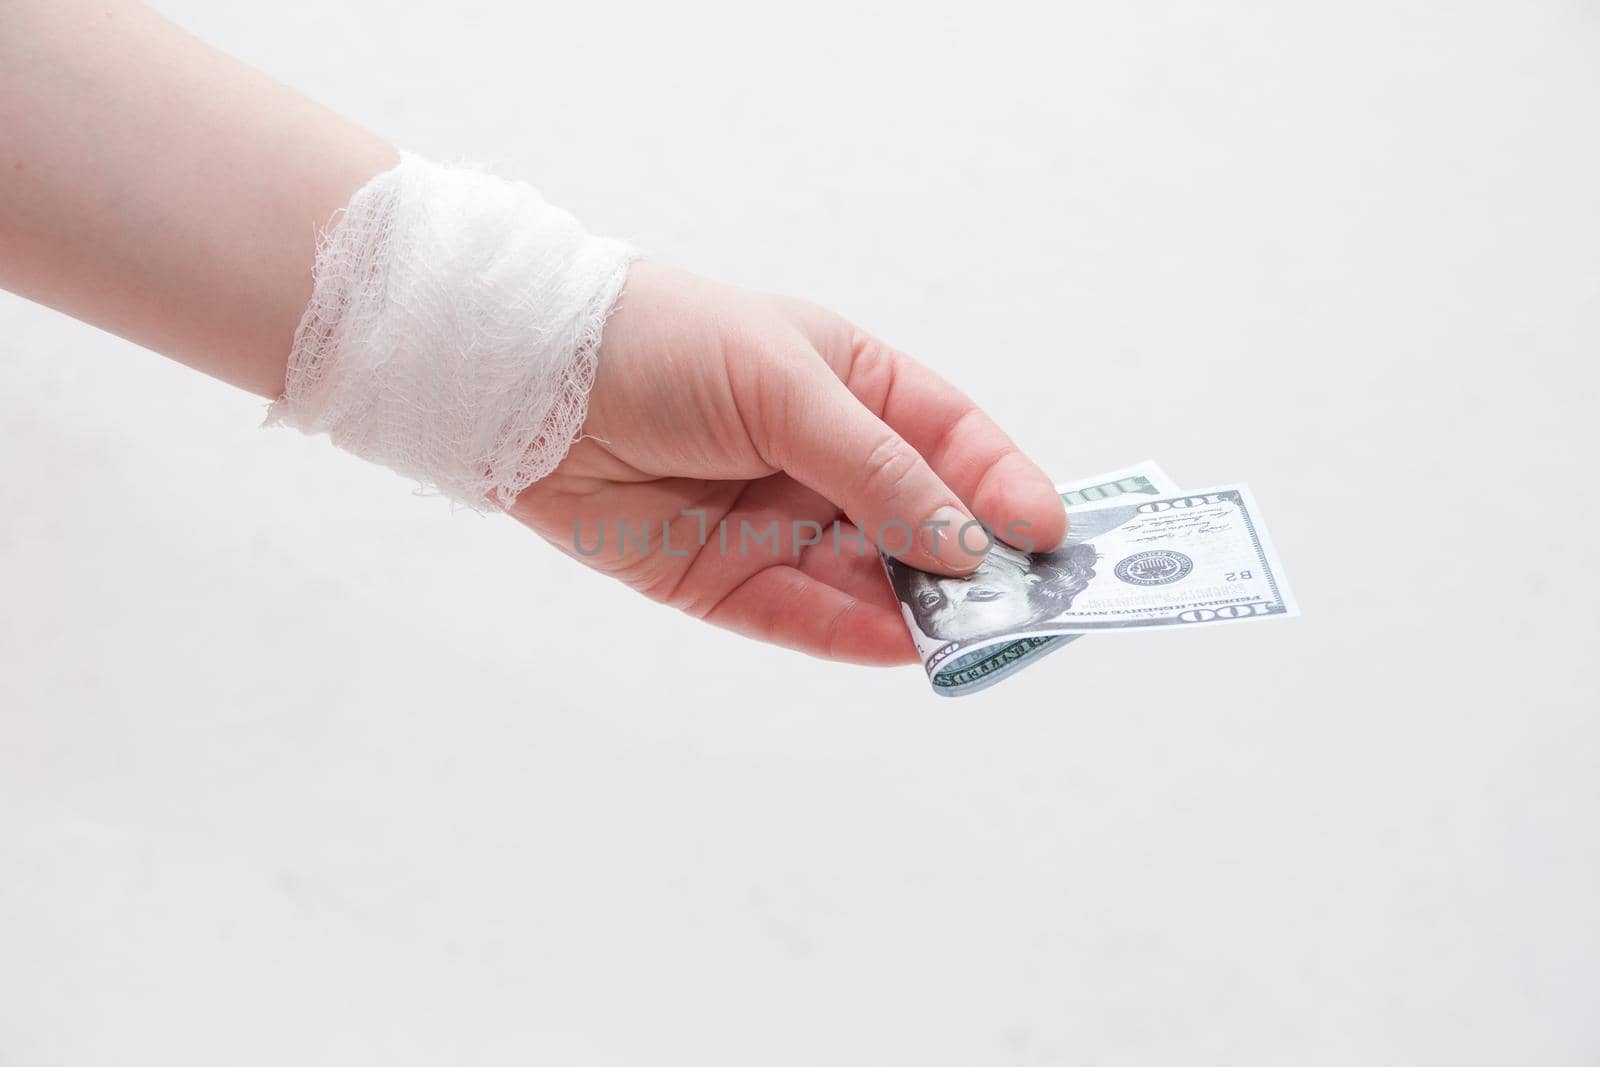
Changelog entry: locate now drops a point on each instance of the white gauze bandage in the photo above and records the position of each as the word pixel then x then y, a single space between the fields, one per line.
pixel 452 330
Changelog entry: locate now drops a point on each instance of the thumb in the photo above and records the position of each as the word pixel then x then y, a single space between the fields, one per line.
pixel 826 439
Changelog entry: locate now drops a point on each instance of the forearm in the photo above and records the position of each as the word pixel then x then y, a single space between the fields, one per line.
pixel 162 190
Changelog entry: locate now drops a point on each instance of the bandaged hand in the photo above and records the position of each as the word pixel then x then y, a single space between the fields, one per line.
pixel 743 457
pixel 455 327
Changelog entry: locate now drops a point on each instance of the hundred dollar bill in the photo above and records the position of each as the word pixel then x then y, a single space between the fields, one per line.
pixel 1137 558
pixel 982 667
pixel 1146 479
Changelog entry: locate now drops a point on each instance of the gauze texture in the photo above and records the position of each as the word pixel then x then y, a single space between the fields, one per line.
pixel 452 330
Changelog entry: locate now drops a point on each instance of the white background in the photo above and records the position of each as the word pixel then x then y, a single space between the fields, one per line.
pixel 296 768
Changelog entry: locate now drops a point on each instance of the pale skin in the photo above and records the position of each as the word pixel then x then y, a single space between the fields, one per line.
pixel 157 188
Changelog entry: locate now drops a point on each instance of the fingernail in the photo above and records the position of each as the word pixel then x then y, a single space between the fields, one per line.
pixel 943 538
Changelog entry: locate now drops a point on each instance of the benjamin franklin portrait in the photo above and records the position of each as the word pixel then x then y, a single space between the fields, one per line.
pixel 1011 590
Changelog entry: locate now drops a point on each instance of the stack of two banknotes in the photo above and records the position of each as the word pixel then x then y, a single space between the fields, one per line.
pixel 1140 554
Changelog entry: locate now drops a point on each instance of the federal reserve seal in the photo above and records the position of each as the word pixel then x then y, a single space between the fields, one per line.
pixel 1157 567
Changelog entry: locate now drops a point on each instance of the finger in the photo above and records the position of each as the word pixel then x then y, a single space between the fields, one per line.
pixel 850 563
pixel 773 521
pixel 815 429
pixel 807 533
pixel 960 442
pixel 727 587
pixel 786 607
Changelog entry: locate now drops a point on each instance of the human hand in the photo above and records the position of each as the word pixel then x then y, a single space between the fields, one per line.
pixel 717 411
